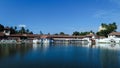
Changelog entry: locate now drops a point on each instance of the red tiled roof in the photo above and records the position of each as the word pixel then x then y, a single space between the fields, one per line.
pixel 26 35
pixel 44 36
pixel 90 35
pixel 62 36
pixel 115 33
pixel 16 35
pixel 2 34
pixel 100 37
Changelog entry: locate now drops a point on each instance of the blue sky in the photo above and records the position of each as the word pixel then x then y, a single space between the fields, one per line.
pixel 54 16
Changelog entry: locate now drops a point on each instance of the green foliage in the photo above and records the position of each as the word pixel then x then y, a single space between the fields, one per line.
pixel 76 33
pixel 25 31
pixel 31 32
pixel 22 30
pixel 56 34
pixel 48 33
pixel 84 33
pixel 1 28
pixel 41 33
pixel 109 28
pixel 62 33
pixel 13 30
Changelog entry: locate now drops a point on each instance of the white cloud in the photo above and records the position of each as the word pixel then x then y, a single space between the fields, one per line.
pixel 21 25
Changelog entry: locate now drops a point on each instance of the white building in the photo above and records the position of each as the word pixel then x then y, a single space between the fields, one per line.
pixel 114 35
pixel 113 38
pixel 7 31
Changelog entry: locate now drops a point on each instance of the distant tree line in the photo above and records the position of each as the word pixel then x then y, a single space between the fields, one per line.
pixel 61 33
pixel 108 28
pixel 76 33
pixel 112 27
pixel 14 30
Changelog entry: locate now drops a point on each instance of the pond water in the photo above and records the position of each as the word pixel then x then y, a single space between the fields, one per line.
pixel 58 56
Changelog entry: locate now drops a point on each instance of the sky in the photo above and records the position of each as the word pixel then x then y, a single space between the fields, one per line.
pixel 54 16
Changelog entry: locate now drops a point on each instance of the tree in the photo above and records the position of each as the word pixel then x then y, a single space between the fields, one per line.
pixel 84 33
pixel 48 33
pixel 31 32
pixel 15 28
pixel 108 29
pixel 1 28
pixel 56 34
pixel 12 30
pixel 76 33
pixel 41 33
pixel 62 33
pixel 92 32
pixel 27 31
pixel 22 30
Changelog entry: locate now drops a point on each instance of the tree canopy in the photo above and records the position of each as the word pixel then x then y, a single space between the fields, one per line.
pixel 76 33
pixel 108 29
pixel 13 30
pixel 1 27
pixel 62 33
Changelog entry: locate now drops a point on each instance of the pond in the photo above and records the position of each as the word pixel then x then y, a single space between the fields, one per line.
pixel 58 56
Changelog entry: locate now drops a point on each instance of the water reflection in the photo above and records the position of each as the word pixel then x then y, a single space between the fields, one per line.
pixel 109 58
pixel 109 46
pixel 42 47
pixel 11 50
pixel 60 56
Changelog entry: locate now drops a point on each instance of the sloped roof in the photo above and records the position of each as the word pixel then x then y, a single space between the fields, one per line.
pixel 2 34
pixel 26 35
pixel 115 33
pixel 91 34
pixel 16 35
pixel 62 36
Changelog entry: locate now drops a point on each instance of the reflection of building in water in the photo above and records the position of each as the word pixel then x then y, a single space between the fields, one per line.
pixel 109 58
pixel 43 47
pixel 35 46
pixel 88 45
pixel 8 50
pixel 109 46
